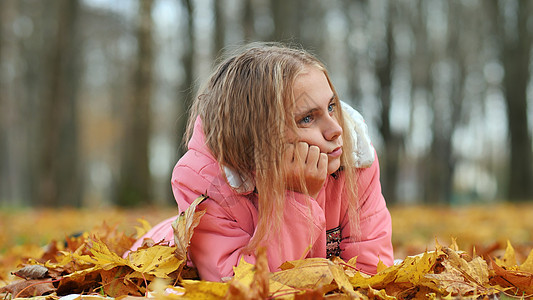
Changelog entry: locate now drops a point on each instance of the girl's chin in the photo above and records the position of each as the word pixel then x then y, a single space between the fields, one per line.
pixel 333 166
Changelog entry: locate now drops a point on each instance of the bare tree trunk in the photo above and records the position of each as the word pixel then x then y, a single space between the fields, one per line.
pixel 286 21
pixel 448 111
pixel 392 140
pixel 248 20
pixel 354 91
pixel 187 91
pixel 135 181
pixel 59 170
pixel 220 27
pixel 5 189
pixel 421 81
pixel 516 59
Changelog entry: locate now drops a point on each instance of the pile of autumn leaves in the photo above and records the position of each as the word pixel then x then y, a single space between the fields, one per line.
pixel 93 263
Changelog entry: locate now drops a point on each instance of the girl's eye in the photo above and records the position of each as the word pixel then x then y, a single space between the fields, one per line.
pixel 306 120
pixel 331 107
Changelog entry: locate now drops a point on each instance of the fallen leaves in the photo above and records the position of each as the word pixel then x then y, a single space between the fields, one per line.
pixel 184 227
pixel 93 264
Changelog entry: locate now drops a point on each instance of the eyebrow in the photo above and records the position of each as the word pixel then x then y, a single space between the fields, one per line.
pixel 312 110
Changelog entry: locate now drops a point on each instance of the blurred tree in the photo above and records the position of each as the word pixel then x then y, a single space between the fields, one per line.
pixel 59 176
pixel 392 140
pixel 447 104
pixel 421 63
pixel 513 28
pixel 247 20
pixel 349 9
pixel 5 191
pixel 135 180
pixel 186 91
pixel 220 26
pixel 287 20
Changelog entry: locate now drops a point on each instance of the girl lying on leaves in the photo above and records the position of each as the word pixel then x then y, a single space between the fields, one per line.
pixel 285 164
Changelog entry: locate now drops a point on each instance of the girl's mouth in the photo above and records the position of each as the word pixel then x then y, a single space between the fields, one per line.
pixel 335 153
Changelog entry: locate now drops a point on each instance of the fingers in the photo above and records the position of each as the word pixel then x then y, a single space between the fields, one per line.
pixel 304 155
pixel 300 154
pixel 305 165
pixel 313 154
pixel 323 164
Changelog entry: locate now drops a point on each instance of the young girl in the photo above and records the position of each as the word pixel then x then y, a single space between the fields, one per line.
pixel 285 164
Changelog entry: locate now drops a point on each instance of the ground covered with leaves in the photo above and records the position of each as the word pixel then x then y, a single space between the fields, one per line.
pixel 54 253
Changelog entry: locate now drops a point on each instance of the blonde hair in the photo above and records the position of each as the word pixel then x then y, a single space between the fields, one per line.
pixel 246 110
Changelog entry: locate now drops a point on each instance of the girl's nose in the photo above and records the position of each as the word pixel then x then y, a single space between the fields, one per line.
pixel 332 129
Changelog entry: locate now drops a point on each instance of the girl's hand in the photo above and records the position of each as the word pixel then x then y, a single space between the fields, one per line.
pixel 306 168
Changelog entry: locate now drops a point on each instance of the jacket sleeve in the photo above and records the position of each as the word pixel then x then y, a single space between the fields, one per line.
pixel 372 242
pixel 229 223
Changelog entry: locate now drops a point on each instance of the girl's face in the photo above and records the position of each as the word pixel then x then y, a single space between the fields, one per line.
pixel 315 116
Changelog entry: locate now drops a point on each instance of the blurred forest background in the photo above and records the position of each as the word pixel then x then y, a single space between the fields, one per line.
pixel 94 93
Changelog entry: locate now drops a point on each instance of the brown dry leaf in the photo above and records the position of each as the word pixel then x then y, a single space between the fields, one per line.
pixel 476 270
pixel 29 288
pixel 32 272
pixel 520 281
pixel 238 291
pixel 85 283
pixel 452 281
pixel 184 227
pixel 115 283
pixel 461 277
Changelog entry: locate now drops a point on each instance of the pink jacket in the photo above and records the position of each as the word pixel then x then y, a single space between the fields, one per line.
pixel 231 218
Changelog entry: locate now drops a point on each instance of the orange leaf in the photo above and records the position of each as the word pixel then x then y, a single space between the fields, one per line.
pixel 259 287
pixel 521 281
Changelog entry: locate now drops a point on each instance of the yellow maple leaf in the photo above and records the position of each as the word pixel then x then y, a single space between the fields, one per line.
pixel 157 260
pixel 244 272
pixel 509 258
pixel 140 231
pixel 414 268
pixel 381 266
pixel 527 265
pixel 342 280
pixel 204 289
pixel 412 271
pixel 307 273
pixel 102 259
pixel 245 277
